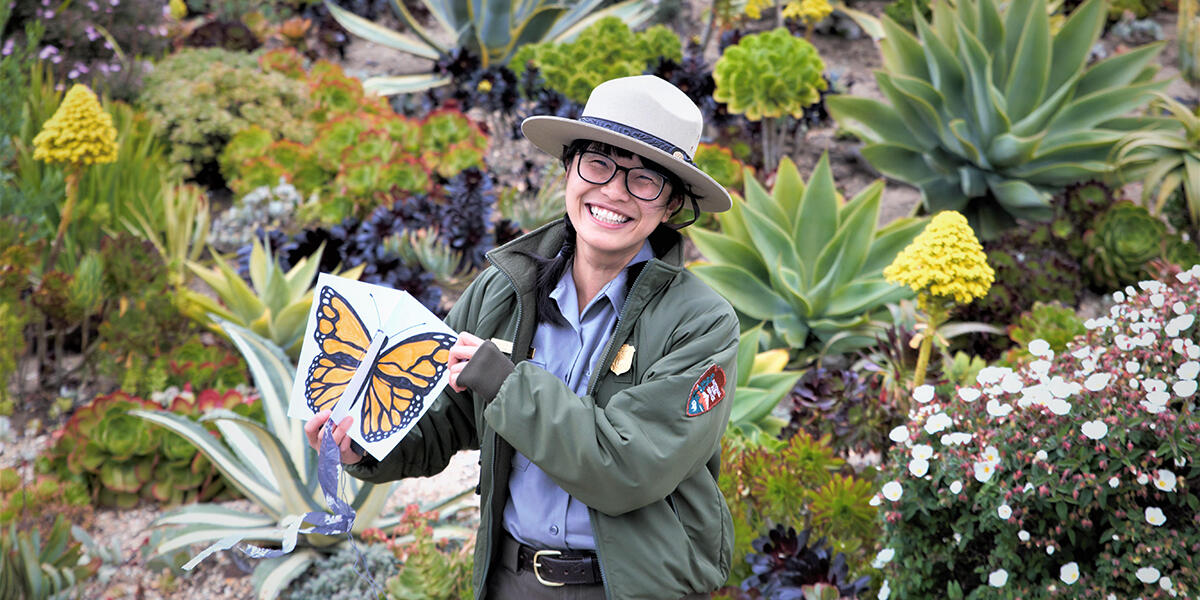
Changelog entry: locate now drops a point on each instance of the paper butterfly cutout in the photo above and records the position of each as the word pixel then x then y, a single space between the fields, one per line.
pixel 399 380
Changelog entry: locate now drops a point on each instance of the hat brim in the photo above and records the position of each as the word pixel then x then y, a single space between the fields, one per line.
pixel 552 134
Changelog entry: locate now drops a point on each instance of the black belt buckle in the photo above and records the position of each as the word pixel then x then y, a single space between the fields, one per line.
pixel 536 564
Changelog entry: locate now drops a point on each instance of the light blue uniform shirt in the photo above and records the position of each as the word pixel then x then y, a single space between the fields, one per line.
pixel 538 512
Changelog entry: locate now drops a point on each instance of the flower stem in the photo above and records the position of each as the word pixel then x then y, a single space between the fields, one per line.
pixel 935 316
pixel 72 184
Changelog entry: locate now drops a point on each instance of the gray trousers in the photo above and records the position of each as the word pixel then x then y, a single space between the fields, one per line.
pixel 505 584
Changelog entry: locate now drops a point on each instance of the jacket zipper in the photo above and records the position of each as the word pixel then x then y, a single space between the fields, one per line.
pixel 608 348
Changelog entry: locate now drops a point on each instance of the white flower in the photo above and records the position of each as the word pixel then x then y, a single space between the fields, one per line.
pixel 1095 430
pixel 1023 535
pixel 984 471
pixel 1118 296
pixel 923 393
pixel 1143 479
pixel 1165 583
pixel 1178 324
pixel 1114 482
pixel 876 500
pixel 1184 388
pixel 998 578
pixel 991 454
pixel 922 451
pixel 1097 381
pixel 884 557
pixel 1059 406
pixel 1132 366
pixel 1062 388
pixel 892 490
pixel 1165 480
pixel 971 394
pixel 1041 455
pixel 1050 550
pixel 1180 461
pixel 1154 516
pixel 884 591
pixel 918 467
pixel 955 438
pixel 990 375
pixel 1004 511
pixel 1157 300
pixel 1011 383
pixel 899 434
pixel 937 423
pixel 1188 370
pixel 1040 347
pixel 955 487
pixel 1154 385
pixel 1069 573
pixel 996 408
pixel 1148 574
pixel 1152 408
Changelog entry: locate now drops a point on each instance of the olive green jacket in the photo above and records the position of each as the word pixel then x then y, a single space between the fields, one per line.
pixel 628 449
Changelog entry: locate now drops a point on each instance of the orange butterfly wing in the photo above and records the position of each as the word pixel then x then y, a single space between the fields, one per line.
pixel 342 341
pixel 400 382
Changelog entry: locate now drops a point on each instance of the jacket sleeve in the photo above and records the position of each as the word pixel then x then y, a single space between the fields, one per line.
pixel 637 448
pixel 449 424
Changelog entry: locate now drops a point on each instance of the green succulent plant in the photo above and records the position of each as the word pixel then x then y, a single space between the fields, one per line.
pixel 1050 321
pixel 988 112
pixel 1120 243
pixel 492 30
pixel 1167 160
pixel 605 50
pixel 37 568
pixel 804 261
pixel 722 165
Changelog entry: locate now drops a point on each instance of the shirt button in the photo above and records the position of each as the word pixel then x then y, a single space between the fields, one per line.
pixel 554 530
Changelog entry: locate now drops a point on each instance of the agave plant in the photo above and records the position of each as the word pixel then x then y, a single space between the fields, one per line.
pixel 273 466
pixel 492 30
pixel 805 261
pixel 1167 159
pixel 276 307
pixel 989 112
pixel 762 383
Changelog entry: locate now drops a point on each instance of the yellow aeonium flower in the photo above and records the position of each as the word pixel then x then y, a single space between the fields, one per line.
pixel 809 11
pixel 80 133
pixel 754 8
pixel 945 262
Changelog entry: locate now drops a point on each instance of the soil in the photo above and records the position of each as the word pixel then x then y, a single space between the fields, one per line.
pixel 221 577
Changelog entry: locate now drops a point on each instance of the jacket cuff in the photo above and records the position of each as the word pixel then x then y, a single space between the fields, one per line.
pixel 486 371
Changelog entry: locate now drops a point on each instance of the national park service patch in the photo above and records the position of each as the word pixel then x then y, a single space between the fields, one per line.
pixel 708 391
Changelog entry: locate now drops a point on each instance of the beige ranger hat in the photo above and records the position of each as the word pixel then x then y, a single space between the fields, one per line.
pixel 645 115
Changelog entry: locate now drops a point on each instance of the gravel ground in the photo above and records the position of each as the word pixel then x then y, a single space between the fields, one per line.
pixel 218 577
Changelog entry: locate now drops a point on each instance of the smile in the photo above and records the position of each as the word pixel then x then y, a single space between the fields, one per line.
pixel 607 216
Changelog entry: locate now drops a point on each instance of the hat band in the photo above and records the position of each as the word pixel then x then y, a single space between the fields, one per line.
pixel 640 136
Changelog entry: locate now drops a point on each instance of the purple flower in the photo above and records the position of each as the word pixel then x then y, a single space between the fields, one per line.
pixel 92 5
pixel 72 74
pixel 91 33
pixel 8 48
pixel 46 52
pixel 48 14
pixel 114 2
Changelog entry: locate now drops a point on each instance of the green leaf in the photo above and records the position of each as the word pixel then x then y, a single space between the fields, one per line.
pixel 771 240
pixel 945 70
pixel 724 249
pixel 747 349
pixel 867 295
pixel 405 84
pixel 1116 71
pixel 1086 112
pixel 889 241
pixel 901 51
pixel 379 34
pixel 1029 69
pixel 272 576
pixel 1006 149
pixel 746 293
pixel 908 97
pixel 898 162
pixel 1073 43
pixel 789 190
pixel 885 125
pixel 818 219
pixel 1022 200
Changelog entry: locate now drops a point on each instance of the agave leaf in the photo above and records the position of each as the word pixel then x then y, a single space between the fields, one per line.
pixel 1021 198
pixel 901 51
pixel 442 12
pixel 1192 185
pixel 272 372
pixel 898 162
pixel 818 219
pixel 758 199
pixel 943 24
pixel 379 34
pixel 296 498
pixel 1073 43
pixel 945 71
pixel 418 28
pixel 967 142
pixel 369 502
pixel 732 222
pixel 855 235
pixel 855 297
pixel 793 330
pixel 1007 150
pixel 747 349
pixel 184 537
pixel 634 13
pixel 246 480
pixel 209 514
pixel 405 84
pixel 788 192
pixel 259 265
pixel 1116 71
pixel 744 291
pixel 1086 112
pixel 532 29
pixel 989 118
pixel 291 321
pixel 792 285
pixel 728 250
pixel 273 576
pixel 1029 70
pixel 870 24
pixel 918 114
pixel 772 241
pixel 883 119
pixel 889 241
pixel 241 299
pixel 991 34
pixel 1015 17
pixel 300 278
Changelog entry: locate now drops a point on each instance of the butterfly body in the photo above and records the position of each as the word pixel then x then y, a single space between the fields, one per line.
pixel 398 380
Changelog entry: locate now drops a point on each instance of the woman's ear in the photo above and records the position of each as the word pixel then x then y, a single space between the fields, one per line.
pixel 673 207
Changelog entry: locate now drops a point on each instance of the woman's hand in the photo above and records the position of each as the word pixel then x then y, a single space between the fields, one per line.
pixel 460 354
pixel 314 429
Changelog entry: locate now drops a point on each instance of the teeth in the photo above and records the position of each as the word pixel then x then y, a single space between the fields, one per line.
pixel 607 216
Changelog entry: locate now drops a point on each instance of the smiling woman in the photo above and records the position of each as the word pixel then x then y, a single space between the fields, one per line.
pixel 599 423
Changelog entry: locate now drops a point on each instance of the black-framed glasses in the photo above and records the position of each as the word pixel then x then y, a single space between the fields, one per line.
pixel 641 183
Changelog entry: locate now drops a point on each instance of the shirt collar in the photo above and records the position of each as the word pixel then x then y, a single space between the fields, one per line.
pixel 565 295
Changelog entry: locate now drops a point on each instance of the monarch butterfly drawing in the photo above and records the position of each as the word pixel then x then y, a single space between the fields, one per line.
pixel 399 380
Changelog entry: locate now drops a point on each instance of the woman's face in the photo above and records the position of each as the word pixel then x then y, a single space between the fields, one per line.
pixel 610 223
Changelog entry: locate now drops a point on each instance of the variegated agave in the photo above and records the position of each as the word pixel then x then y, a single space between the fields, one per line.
pixel 989 112
pixel 804 261
pixel 493 30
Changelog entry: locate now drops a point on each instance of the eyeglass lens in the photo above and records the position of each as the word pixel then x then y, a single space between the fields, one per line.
pixel 642 183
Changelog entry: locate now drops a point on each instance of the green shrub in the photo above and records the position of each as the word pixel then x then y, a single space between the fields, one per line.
pixel 720 163
pixel 607 49
pixel 226 92
pixel 1140 8
pixel 1074 473
pixel 431 567
pixel 33 567
pixel 901 11
pixel 798 482
pixel 1051 322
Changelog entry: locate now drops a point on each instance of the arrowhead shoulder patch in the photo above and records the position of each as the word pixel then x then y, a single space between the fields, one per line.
pixel 707 392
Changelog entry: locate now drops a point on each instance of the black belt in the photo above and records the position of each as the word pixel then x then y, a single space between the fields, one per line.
pixel 551 567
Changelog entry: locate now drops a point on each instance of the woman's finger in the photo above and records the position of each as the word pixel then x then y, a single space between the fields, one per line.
pixel 312 428
pixel 469 338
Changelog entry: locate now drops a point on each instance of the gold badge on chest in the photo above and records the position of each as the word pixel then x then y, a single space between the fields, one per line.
pixel 624 360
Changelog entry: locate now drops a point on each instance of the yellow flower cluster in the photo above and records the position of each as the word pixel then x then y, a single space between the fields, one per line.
pixel 809 11
pixel 80 132
pixel 754 7
pixel 945 261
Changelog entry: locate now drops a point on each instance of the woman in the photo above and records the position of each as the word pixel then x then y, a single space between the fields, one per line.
pixel 600 395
